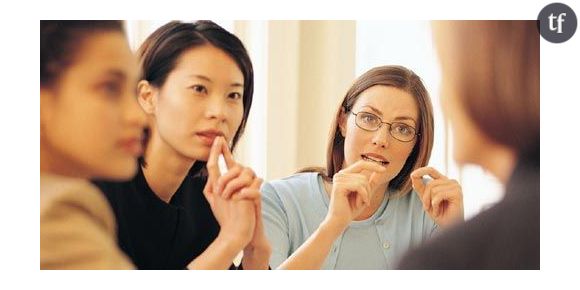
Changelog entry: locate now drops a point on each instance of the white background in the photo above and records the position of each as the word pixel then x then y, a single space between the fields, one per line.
pixel 19 150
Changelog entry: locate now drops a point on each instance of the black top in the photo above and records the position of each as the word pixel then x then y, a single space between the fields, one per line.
pixel 160 235
pixel 506 236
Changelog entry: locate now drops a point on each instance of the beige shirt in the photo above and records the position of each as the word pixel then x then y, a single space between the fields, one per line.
pixel 77 226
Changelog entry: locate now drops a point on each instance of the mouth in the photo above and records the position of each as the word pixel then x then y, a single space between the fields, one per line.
pixel 375 158
pixel 207 137
pixel 132 146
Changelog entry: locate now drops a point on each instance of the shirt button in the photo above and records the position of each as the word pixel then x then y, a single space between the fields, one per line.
pixel 386 245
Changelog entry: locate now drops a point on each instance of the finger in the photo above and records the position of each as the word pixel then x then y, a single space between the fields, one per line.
pixel 373 181
pixel 251 192
pixel 448 192
pixel 207 192
pixel 221 181
pixel 257 183
pixel 230 162
pixel 212 162
pixel 354 183
pixel 428 194
pixel 363 193
pixel 430 171
pixel 351 189
pixel 244 179
pixel 359 203
pixel 438 202
pixel 364 196
pixel 259 224
pixel 248 194
pixel 418 185
pixel 452 191
pixel 361 165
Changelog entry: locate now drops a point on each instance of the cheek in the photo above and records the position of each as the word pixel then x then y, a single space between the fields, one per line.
pixel 235 115
pixel 353 144
pixel 175 116
pixel 400 154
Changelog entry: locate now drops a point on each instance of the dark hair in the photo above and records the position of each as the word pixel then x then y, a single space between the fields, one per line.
pixel 159 54
pixel 59 44
pixel 393 76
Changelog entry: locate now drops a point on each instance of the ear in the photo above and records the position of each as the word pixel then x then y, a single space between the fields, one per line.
pixel 342 117
pixel 147 97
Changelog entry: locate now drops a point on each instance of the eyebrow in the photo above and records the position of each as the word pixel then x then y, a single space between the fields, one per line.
pixel 210 81
pixel 399 118
pixel 116 73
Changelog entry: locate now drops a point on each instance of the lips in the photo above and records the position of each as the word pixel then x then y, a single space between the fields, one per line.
pixel 132 146
pixel 207 136
pixel 375 158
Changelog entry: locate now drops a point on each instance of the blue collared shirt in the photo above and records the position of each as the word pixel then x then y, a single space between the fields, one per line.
pixel 294 207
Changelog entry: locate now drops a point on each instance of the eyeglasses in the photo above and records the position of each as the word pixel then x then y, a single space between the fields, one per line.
pixel 372 122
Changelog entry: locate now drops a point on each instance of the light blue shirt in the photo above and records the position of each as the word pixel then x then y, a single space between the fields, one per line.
pixel 294 207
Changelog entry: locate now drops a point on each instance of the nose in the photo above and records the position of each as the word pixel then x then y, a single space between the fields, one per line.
pixel 133 113
pixel 381 136
pixel 216 108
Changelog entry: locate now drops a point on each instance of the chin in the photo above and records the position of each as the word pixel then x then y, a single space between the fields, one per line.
pixel 197 154
pixel 122 171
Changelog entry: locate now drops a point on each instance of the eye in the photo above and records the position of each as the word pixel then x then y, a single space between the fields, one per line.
pixel 235 96
pixel 199 89
pixel 369 118
pixel 403 129
pixel 111 88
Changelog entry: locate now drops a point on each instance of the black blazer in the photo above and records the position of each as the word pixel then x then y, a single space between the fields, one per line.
pixel 505 236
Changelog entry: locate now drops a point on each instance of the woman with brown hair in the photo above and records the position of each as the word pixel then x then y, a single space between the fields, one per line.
pixel 491 95
pixel 360 212
pixel 90 127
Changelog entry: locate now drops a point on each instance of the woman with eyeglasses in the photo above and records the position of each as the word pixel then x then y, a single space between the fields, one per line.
pixel 361 212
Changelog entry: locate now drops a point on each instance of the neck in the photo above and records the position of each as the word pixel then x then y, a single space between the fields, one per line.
pixel 500 161
pixel 166 169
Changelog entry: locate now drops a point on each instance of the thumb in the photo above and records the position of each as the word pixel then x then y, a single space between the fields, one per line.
pixel 417 183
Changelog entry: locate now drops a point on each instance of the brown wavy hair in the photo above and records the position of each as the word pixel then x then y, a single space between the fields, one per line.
pixel 393 76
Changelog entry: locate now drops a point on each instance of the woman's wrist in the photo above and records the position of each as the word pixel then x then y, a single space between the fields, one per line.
pixel 257 257
pixel 332 228
pixel 230 245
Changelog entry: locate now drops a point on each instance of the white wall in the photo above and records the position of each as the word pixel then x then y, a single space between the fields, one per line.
pixel 303 69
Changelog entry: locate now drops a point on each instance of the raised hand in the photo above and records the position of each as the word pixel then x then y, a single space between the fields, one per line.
pixel 442 197
pixel 236 217
pixel 351 192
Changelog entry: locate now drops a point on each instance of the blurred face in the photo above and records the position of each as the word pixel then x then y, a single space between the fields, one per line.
pixel 391 105
pixel 202 98
pixel 91 124
pixel 468 141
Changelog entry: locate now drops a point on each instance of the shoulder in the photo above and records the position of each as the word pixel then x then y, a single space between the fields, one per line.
pixel 498 238
pixel 77 227
pixel 296 185
pixel 299 191
pixel 74 195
